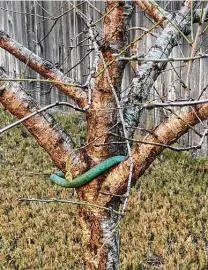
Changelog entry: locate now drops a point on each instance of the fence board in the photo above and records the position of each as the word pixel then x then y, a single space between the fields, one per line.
pixel 23 21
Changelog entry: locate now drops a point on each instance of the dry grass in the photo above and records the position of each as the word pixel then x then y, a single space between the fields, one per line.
pixel 165 227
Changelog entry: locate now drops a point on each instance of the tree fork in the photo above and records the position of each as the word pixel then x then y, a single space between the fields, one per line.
pixel 98 226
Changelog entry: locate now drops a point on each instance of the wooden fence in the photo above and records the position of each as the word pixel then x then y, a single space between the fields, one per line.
pixel 56 40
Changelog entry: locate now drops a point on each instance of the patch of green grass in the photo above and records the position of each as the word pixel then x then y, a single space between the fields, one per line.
pixel 165 226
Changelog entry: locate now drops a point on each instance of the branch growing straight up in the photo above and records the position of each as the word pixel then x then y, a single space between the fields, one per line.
pixel 149 71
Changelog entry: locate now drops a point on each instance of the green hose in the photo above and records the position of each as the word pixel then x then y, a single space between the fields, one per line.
pixel 87 176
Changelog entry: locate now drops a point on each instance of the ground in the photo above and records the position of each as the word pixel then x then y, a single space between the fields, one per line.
pixel 165 226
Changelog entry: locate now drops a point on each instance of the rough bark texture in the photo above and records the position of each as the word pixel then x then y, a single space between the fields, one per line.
pixel 152 10
pixel 148 72
pixel 96 226
pixel 43 126
pixel 43 67
pixel 100 243
pixel 166 133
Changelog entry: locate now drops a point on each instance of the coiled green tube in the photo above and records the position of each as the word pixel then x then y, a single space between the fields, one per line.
pixel 87 176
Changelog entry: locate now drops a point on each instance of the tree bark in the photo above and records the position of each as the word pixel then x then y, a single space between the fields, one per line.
pixel 99 228
pixel 100 237
pixel 43 127
pixel 143 154
pixel 98 225
pixel 44 68
pixel 139 89
pixel 152 9
pixel 101 243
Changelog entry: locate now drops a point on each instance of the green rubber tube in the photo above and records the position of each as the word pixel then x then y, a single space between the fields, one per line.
pixel 61 174
pixel 87 176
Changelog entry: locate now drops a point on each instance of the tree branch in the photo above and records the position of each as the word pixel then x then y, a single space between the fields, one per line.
pixel 43 67
pixel 2 130
pixel 149 71
pixel 166 133
pixel 158 14
pixel 56 142
pixel 55 200
pixel 99 121
pixel 170 59
pixel 151 10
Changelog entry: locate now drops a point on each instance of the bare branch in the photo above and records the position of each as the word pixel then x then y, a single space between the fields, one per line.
pixel 43 67
pixel 143 29
pixel 174 104
pixel 177 149
pixel 156 60
pixel 150 106
pixel 123 51
pixel 56 142
pixel 54 200
pixel 148 72
pixel 39 80
pixel 89 84
pixel 2 130
pixel 151 9
pixel 166 133
pixel 194 47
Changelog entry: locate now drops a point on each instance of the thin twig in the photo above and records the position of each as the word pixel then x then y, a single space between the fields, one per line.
pixel 171 22
pixel 39 111
pixel 28 172
pixel 90 79
pixel 40 80
pixel 143 29
pixel 169 59
pixel 54 200
pixel 106 14
pixel 127 47
pixel 150 106
pixel 112 194
pixel 161 144
pixel 80 61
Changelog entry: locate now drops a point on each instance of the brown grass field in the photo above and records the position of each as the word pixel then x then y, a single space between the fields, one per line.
pixel 165 226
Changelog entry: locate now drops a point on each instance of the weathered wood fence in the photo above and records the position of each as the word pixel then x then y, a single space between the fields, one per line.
pixel 56 40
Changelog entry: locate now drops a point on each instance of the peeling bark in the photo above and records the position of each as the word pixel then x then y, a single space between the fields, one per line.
pixel 148 72
pixel 166 133
pixel 97 226
pixel 43 126
pixel 102 97
pixel 43 67
pixel 152 10
pixel 100 244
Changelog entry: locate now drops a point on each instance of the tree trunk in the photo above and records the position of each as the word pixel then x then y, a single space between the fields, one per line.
pixel 100 226
pixel 102 250
pixel 100 239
